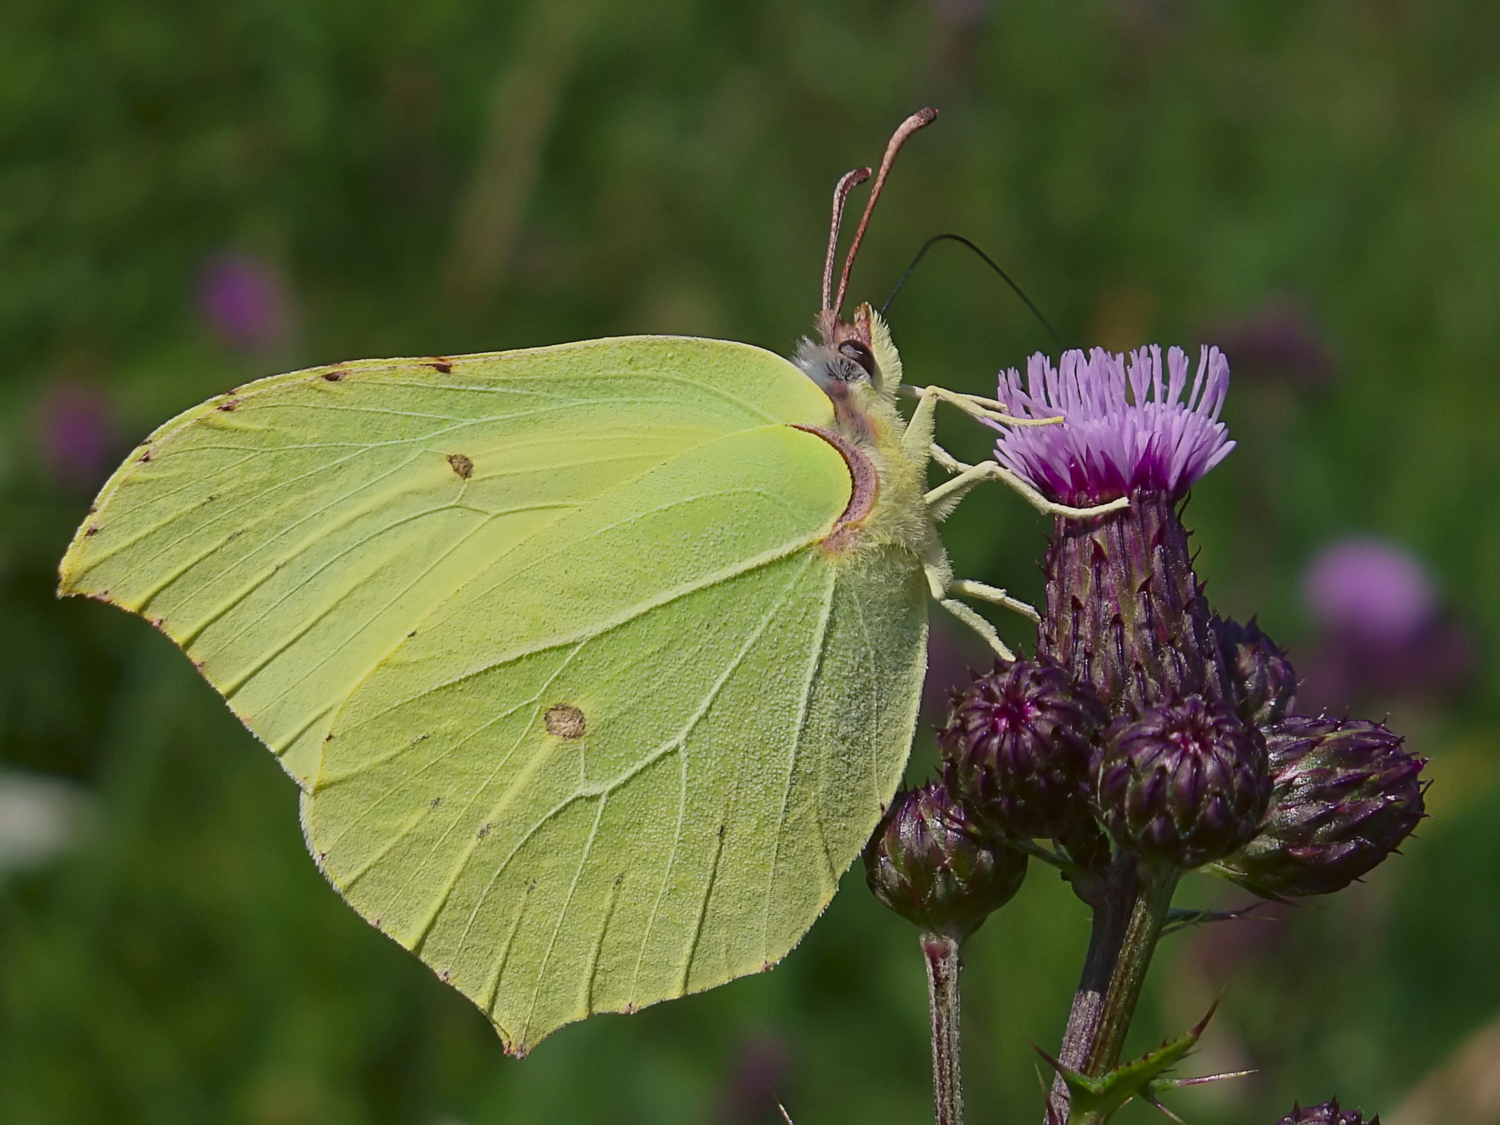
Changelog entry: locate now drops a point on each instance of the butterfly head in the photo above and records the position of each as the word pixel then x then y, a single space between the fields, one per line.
pixel 851 354
pixel 854 358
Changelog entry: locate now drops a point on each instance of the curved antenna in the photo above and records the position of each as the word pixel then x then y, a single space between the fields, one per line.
pixel 1021 293
pixel 898 138
pixel 840 195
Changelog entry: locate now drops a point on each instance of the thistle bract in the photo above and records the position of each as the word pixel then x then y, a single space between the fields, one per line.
pixel 1264 683
pixel 929 864
pixel 1183 783
pixel 1328 1113
pixel 1345 796
pixel 1016 749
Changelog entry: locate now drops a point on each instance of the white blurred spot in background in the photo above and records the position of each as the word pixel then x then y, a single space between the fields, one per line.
pixel 40 816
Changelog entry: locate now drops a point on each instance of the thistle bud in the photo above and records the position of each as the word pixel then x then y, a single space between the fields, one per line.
pixel 1328 1113
pixel 1016 749
pixel 1265 686
pixel 927 862
pixel 1345 796
pixel 1184 783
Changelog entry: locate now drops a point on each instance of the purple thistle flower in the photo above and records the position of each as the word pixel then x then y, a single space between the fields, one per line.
pixel 1124 429
pixel 244 301
pixel 1381 627
pixel 74 434
pixel 1345 795
pixel 1183 783
pixel 1277 341
pixel 1371 590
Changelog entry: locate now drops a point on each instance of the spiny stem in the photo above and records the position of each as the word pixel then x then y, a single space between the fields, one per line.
pixel 1127 924
pixel 1111 914
pixel 941 955
pixel 1148 912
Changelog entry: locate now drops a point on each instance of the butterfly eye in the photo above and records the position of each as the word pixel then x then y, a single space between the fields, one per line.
pixel 860 354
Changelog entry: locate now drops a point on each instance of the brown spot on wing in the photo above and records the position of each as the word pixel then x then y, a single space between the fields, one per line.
pixel 334 376
pixel 440 364
pixel 461 465
pixel 229 404
pixel 565 721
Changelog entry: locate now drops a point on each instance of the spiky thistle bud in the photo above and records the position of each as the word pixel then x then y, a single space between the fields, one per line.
pixel 1183 783
pixel 1328 1113
pixel 1264 683
pixel 1016 749
pixel 929 864
pixel 1345 796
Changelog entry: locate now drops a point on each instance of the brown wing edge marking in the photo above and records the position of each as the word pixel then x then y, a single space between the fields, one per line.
pixel 866 490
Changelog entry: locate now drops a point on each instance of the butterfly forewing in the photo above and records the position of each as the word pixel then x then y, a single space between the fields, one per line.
pixel 290 534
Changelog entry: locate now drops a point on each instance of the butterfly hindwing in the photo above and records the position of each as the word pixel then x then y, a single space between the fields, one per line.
pixel 640 786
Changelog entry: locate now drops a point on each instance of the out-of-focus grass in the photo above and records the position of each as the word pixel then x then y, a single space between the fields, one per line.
pixel 1149 169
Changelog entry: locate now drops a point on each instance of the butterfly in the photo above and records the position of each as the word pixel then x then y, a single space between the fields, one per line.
pixel 596 664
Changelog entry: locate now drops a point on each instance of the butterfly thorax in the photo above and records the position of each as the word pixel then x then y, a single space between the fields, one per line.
pixel 858 367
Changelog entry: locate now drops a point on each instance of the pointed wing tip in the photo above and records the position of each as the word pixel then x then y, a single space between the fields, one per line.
pixel 515 1048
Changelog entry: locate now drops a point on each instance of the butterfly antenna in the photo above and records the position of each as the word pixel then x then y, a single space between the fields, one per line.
pixel 906 129
pixel 1021 293
pixel 840 196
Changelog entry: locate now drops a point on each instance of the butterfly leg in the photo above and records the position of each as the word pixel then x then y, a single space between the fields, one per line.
pixel 945 497
pixel 972 619
pixel 916 441
pixel 947 462
pixel 941 585
pixel 967 588
pixel 975 406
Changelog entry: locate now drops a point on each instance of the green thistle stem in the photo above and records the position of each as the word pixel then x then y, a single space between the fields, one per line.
pixel 1112 911
pixel 1153 899
pixel 941 954
pixel 1127 926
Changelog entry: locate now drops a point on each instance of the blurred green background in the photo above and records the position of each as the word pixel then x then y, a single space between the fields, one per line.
pixel 192 195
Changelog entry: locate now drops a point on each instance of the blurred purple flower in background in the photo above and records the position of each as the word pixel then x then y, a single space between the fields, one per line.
pixel 1369 588
pixel 74 434
pixel 756 1088
pixel 1380 628
pixel 1277 341
pixel 244 301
